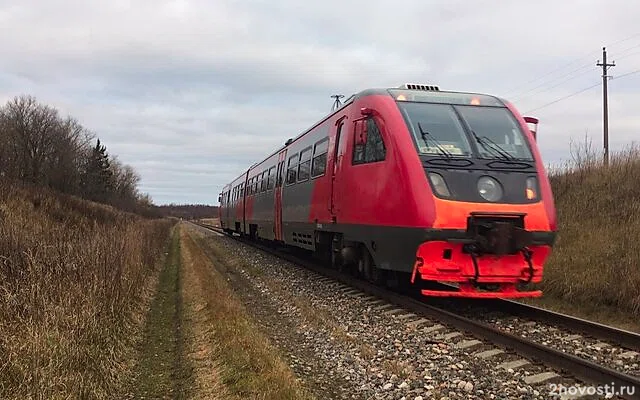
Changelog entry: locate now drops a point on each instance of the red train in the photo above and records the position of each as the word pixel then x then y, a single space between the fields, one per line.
pixel 408 185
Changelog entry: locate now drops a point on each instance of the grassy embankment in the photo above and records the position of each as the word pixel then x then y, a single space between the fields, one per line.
pixel 90 307
pixel 595 266
pixel 73 278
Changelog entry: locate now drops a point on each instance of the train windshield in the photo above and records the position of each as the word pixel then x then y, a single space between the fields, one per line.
pixel 496 131
pixel 439 130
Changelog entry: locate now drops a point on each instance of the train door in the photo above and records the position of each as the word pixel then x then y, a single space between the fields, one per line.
pixel 243 193
pixel 277 215
pixel 227 208
pixel 336 161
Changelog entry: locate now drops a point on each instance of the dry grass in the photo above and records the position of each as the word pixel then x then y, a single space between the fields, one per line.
pixel 228 340
pixel 401 369
pixel 72 275
pixel 596 260
pixel 211 221
pixel 201 347
pixel 318 318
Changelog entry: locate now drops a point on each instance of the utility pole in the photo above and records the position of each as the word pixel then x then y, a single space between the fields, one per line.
pixel 605 105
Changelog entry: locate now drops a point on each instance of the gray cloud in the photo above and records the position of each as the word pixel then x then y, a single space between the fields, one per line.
pixel 192 92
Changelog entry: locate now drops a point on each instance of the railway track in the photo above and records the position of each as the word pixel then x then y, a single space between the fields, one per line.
pixel 466 318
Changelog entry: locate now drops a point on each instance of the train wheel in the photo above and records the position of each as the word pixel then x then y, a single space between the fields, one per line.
pixel 368 269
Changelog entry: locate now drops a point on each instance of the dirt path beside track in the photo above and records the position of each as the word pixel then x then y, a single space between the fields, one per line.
pixel 200 343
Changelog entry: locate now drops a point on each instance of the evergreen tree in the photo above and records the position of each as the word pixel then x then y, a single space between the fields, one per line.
pixel 98 179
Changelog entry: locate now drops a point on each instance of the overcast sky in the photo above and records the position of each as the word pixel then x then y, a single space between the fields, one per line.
pixel 191 92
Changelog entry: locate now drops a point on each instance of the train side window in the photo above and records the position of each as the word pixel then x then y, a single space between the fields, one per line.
pixel 280 174
pixel 368 145
pixel 263 182
pixel 375 149
pixel 271 178
pixel 305 164
pixel 359 141
pixel 291 169
pixel 319 163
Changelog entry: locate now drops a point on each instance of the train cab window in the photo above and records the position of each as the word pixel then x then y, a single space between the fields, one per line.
pixel 271 178
pixel 305 165
pixel 291 169
pixel 319 163
pixel 368 145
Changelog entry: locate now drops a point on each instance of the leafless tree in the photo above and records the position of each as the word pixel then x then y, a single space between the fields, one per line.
pixel 30 131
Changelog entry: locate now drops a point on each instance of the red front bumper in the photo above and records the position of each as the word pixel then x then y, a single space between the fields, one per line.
pixel 442 261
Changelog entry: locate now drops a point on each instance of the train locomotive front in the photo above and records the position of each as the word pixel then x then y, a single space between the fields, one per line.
pixel 494 222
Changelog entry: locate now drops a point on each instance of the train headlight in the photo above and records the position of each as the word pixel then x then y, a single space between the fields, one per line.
pixel 531 190
pixel 489 189
pixel 439 184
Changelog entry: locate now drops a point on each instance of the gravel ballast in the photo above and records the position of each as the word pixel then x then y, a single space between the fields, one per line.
pixel 346 345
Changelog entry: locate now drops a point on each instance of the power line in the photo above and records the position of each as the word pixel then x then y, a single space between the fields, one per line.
pixel 629 48
pixel 529 93
pixel 533 90
pixel 513 91
pixel 627 74
pixel 624 40
pixel 565 97
pixel 629 55
pixel 581 91
pixel 548 73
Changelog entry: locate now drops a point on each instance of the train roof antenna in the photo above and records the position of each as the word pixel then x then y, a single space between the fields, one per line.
pixel 337 103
